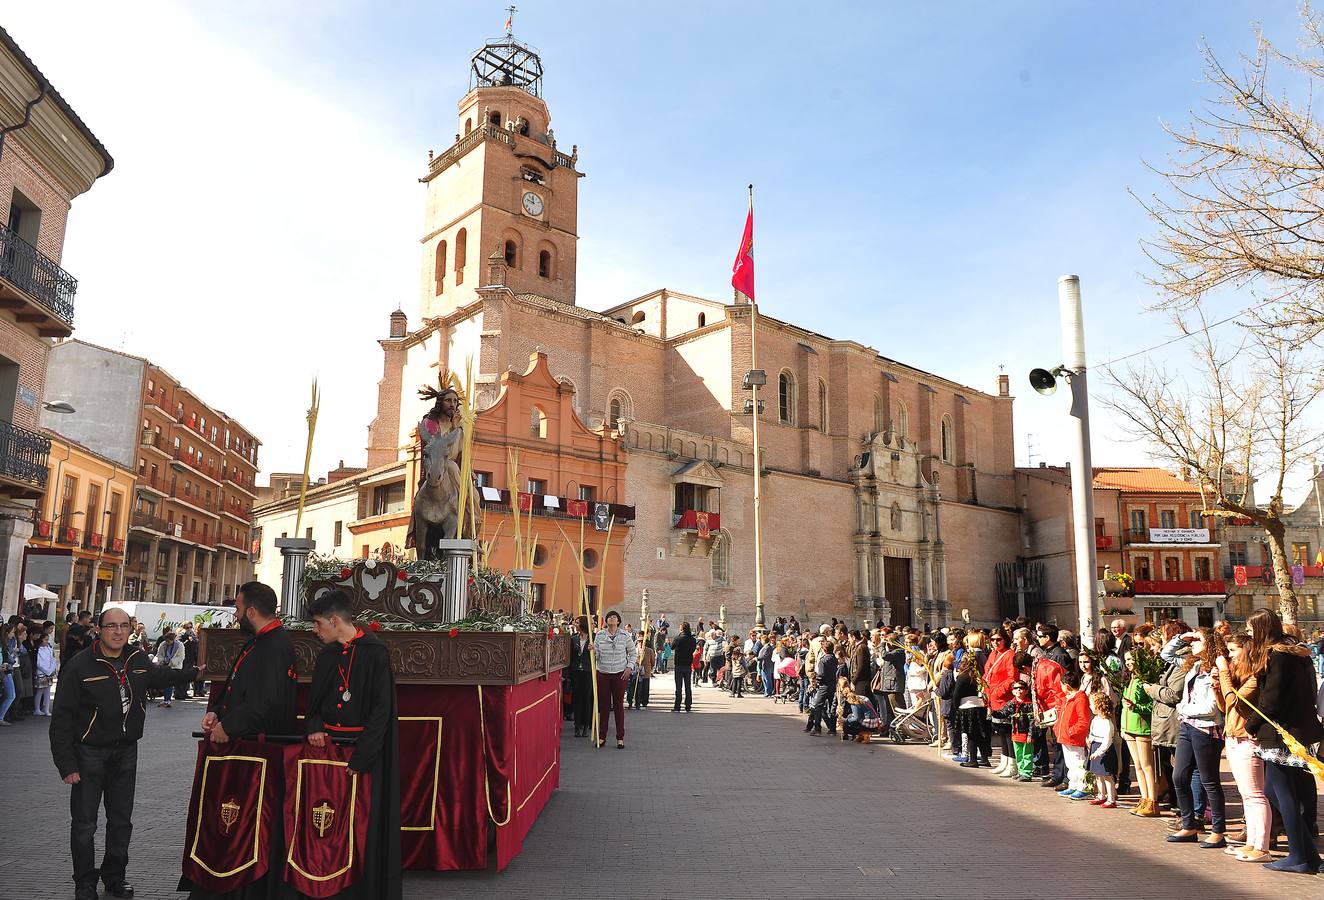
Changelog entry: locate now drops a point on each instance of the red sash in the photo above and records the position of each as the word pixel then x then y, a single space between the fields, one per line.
pixel 326 819
pixel 236 790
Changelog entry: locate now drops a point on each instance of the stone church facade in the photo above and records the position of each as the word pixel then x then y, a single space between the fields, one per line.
pixel 887 492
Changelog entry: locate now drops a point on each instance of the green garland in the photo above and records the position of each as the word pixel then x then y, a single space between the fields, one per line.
pixel 1149 665
pixel 485 585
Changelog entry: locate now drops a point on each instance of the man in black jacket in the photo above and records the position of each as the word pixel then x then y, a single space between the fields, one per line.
pixel 96 723
pixel 682 649
pixel 189 640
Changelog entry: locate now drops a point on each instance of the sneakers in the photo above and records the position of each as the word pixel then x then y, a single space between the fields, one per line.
pixel 1024 779
pixel 1076 795
pixel 960 759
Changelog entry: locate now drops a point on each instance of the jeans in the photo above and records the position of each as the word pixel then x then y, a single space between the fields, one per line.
pixel 169 693
pixel 768 690
pixel 683 682
pixel 804 693
pixel 1289 789
pixel 1197 750
pixel 108 773
pixel 8 694
pixel 819 709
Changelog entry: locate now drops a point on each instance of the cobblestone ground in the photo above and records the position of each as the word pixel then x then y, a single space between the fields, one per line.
pixel 731 800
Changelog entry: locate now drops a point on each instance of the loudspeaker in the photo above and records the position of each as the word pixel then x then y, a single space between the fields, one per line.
pixel 1043 381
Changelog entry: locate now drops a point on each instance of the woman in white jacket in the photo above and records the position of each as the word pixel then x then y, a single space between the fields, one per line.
pixel 45 672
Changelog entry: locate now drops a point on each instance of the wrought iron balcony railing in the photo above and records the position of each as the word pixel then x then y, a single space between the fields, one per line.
pixel 34 273
pixel 23 455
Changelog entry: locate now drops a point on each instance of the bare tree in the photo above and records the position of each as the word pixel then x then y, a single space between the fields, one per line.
pixel 1246 207
pixel 1237 418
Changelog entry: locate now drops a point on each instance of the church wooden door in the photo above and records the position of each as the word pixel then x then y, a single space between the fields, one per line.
pixel 896 585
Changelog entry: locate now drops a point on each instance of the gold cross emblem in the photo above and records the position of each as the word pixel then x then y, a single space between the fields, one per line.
pixel 322 816
pixel 229 813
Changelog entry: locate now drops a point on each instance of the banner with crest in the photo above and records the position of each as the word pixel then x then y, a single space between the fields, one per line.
pixel 237 793
pixel 327 806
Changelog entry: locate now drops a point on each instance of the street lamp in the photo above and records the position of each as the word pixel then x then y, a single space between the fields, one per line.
pixel 1044 381
pixel 58 406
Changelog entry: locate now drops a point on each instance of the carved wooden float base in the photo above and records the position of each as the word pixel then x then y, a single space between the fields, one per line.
pixel 418 657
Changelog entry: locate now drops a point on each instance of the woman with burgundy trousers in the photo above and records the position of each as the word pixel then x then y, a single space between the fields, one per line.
pixel 616 660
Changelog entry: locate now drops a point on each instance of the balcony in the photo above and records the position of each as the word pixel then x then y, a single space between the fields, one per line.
pixel 117 545
pixel 150 523
pixel 1169 588
pixel 690 519
pixel 199 536
pixel 197 463
pixel 234 479
pixel 32 284
pixel 1105 542
pixel 193 500
pixel 1171 536
pixel 1265 573
pixel 154 483
pixel 23 458
pixel 94 541
pixel 151 440
pixel 43 530
pixel 67 535
pixel 237 515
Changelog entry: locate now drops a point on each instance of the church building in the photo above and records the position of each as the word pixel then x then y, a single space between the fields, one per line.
pixel 887 492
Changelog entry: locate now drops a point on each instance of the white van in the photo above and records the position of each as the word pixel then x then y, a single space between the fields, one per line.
pixel 158 617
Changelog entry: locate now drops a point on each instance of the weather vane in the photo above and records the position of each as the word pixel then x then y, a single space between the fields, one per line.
pixel 510 19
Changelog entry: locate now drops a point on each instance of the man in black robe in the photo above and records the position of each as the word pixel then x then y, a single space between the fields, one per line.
pixel 353 695
pixel 258 697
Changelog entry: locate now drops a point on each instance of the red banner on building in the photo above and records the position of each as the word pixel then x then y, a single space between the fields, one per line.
pixel 1239 576
pixel 701 520
pixel 525 502
pixel 326 819
pixel 576 508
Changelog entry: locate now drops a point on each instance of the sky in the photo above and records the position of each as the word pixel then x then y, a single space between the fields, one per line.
pixel 923 175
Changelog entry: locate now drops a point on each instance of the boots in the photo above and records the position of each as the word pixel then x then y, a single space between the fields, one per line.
pixel 1146 809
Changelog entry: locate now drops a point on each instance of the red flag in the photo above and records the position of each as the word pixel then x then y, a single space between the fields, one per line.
pixel 525 501
pixel 701 519
pixel 576 508
pixel 1239 576
pixel 742 272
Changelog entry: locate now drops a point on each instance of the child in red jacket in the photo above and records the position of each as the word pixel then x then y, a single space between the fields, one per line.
pixel 1073 730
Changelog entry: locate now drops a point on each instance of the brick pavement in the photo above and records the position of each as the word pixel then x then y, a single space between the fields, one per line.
pixel 731 800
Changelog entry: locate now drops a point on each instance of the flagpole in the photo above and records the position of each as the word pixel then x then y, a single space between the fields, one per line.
pixel 758 457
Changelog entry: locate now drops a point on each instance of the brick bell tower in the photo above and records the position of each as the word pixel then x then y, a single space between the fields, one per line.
pixel 502 186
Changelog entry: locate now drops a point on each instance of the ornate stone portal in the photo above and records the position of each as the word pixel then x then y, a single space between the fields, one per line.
pixel 900 565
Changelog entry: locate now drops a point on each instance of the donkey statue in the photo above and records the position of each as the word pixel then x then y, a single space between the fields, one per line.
pixel 437 502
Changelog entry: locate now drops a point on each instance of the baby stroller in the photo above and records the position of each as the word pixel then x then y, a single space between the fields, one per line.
pixel 788 677
pixel 911 724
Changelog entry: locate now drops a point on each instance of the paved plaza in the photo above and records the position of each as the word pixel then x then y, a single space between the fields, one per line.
pixel 731 800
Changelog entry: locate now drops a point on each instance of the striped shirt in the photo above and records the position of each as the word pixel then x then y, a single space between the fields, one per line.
pixel 615 653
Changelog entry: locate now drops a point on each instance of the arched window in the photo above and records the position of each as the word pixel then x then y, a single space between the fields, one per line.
pixel 618 407
pixel 637 318
pixel 440 269
pixel 786 398
pixel 822 406
pixel 512 254
pixel 703 320
pixel 544 264
pixel 877 414
pixel 537 423
pixel 720 559
pixel 946 436
pixel 461 250
pixel 468 125
pixel 902 419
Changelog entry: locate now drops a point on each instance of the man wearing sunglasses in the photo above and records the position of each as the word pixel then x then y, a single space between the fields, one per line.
pixel 96 723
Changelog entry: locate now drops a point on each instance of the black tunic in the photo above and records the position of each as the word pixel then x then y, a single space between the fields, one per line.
pixel 259 697
pixel 369 715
